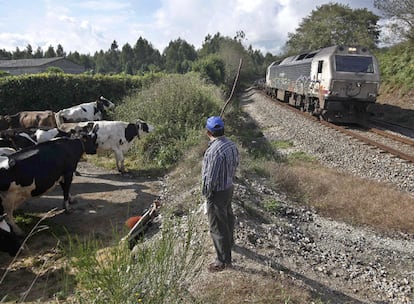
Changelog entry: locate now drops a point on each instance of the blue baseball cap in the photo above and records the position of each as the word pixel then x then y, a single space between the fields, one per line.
pixel 214 123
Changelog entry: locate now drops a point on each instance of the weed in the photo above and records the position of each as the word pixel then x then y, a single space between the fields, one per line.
pixel 282 144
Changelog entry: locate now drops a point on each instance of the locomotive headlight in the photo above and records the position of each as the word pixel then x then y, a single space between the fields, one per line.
pixel 352 50
pixel 372 95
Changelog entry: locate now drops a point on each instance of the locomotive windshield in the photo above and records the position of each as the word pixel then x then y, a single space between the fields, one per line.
pixel 358 64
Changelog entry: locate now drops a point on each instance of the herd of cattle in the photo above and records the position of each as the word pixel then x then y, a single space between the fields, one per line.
pixel 39 149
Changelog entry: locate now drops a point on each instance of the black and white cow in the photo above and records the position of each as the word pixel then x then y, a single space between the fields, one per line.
pixel 9 241
pixel 116 136
pixel 42 135
pixel 4 151
pixel 16 138
pixel 84 112
pixel 35 170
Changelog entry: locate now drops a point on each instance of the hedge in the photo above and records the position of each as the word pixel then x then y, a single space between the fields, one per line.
pixel 58 91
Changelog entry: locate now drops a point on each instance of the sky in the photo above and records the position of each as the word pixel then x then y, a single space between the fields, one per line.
pixel 88 26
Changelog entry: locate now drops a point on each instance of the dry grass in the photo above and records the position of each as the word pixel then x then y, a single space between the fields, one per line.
pixel 244 287
pixel 345 197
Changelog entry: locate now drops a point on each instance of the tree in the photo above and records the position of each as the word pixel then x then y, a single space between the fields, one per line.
pixel 178 56
pixel 59 51
pixel 5 54
pixel 145 55
pixel 75 57
pixel 112 58
pixel 87 62
pixel 18 54
pixel 334 24
pixel 29 51
pixel 127 59
pixel 211 45
pixel 211 67
pixel 50 52
pixel 101 63
pixel 38 53
pixel 401 18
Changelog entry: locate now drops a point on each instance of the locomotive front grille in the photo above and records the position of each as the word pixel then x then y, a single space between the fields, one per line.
pixel 360 90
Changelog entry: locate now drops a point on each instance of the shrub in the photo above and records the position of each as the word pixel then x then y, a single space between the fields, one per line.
pixel 177 105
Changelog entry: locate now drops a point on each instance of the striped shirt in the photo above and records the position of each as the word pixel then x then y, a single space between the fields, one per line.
pixel 219 165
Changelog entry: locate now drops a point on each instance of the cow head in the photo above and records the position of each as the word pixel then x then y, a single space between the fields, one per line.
pixel 143 128
pixel 4 122
pixel 9 241
pixel 104 104
pixel 89 140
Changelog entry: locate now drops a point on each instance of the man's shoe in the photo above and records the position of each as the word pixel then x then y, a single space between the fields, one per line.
pixel 215 267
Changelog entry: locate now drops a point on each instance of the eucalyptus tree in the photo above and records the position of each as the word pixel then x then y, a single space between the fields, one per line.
pixel 334 24
pixel 179 56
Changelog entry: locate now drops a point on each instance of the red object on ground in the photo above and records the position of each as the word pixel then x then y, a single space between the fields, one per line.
pixel 132 221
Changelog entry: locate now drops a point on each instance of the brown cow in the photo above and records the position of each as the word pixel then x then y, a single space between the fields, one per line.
pixel 28 119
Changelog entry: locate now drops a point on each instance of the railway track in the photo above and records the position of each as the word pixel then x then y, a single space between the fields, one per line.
pixel 400 146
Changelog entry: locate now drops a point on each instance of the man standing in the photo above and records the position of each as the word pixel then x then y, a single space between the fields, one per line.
pixel 219 167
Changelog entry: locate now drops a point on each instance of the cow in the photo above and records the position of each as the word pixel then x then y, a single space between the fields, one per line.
pixel 116 136
pixel 9 241
pixel 42 135
pixel 33 171
pixel 4 151
pixel 28 119
pixel 88 111
pixel 16 138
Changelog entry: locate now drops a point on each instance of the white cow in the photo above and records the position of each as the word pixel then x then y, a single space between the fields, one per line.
pixel 4 151
pixel 42 135
pixel 116 136
pixel 84 112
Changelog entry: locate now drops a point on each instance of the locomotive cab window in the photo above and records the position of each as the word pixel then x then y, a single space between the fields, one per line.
pixel 320 65
pixel 357 64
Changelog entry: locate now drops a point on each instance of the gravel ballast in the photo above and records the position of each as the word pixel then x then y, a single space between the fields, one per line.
pixel 345 264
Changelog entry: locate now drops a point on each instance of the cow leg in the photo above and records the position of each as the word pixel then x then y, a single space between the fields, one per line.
pixel 119 158
pixel 12 223
pixel 65 184
pixel 9 205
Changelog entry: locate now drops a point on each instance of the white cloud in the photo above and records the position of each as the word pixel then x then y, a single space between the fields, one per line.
pixel 89 26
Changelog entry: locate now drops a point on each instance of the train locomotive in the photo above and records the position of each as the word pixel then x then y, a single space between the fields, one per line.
pixel 336 83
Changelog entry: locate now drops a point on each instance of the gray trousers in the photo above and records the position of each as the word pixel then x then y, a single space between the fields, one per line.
pixel 221 221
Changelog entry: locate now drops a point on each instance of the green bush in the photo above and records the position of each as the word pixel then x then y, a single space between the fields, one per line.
pixel 177 105
pixel 396 66
pixel 211 67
